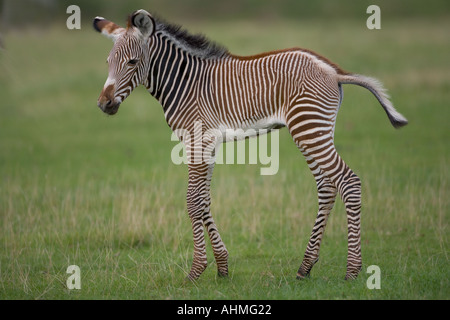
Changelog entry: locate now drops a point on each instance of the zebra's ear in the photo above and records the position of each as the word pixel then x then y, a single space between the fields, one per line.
pixel 143 21
pixel 108 28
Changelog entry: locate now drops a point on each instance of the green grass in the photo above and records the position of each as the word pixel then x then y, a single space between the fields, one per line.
pixel 78 187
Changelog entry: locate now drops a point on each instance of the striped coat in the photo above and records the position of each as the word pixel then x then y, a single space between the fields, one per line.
pixel 205 89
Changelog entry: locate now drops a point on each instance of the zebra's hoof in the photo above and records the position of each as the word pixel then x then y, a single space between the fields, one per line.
pixel 352 275
pixel 191 277
pixel 188 279
pixel 301 276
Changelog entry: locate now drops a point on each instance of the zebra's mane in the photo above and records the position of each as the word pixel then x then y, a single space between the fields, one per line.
pixel 197 44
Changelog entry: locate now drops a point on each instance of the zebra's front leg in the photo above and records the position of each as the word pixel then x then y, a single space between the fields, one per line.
pixel 219 249
pixel 198 203
pixel 195 207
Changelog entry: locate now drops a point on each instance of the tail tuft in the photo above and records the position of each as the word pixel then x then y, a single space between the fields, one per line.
pixel 398 123
pixel 374 86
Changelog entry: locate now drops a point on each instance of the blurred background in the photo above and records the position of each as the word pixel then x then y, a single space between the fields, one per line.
pixel 79 187
pixel 23 13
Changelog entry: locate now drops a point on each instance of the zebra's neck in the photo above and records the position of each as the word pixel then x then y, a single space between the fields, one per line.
pixel 175 62
pixel 173 72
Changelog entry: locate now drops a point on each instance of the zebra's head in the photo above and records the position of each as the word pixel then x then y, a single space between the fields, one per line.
pixel 126 61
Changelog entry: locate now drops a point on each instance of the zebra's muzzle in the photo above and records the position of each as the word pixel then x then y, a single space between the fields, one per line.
pixel 106 101
pixel 109 107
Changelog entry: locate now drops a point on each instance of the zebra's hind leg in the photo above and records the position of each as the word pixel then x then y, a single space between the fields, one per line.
pixel 347 183
pixel 316 142
pixel 327 195
pixel 349 186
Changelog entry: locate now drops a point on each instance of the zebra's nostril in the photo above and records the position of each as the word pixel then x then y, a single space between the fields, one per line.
pixel 104 104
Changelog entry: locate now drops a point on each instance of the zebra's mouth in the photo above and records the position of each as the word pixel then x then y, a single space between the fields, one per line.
pixel 109 107
pixel 111 110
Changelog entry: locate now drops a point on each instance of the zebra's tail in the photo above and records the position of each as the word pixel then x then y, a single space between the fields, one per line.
pixel 374 86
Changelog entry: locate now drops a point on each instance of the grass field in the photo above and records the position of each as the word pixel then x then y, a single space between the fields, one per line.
pixel 81 188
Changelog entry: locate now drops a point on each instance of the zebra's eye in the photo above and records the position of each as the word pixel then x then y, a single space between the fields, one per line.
pixel 133 62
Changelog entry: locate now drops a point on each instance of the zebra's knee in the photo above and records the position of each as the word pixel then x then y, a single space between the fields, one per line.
pixel 349 184
pixel 350 190
pixel 326 195
pixel 196 201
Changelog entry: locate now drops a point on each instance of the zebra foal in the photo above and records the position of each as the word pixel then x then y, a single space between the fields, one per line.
pixel 197 81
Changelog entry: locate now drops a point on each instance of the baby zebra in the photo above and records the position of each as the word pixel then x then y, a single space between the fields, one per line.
pixel 205 89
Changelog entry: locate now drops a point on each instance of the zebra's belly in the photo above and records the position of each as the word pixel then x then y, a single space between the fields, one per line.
pixel 248 129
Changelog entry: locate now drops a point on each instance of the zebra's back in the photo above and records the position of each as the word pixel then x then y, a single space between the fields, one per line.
pixel 257 91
